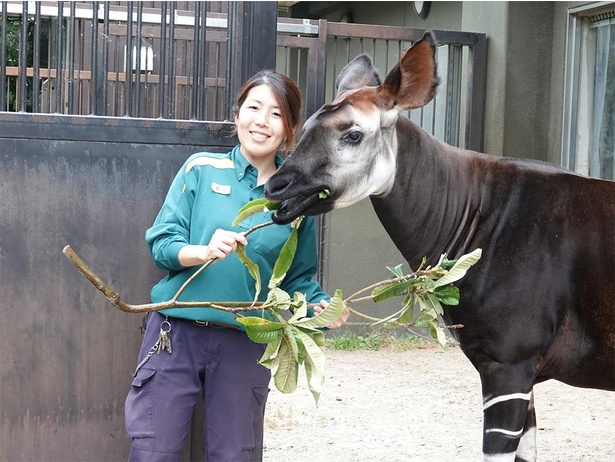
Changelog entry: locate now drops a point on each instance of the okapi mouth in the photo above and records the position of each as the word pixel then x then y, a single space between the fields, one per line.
pixel 294 207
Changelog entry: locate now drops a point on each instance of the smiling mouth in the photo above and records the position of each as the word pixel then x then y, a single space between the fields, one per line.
pixel 259 135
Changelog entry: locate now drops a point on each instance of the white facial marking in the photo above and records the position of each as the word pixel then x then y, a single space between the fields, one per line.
pixel 370 166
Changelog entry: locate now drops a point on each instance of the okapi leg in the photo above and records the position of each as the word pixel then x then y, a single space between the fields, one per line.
pixel 509 432
pixel 527 445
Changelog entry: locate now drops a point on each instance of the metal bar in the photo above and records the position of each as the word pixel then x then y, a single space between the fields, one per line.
pixel 453 99
pixel 163 46
pixel 195 64
pixel 475 109
pixel 137 102
pixel 234 35
pixel 3 101
pixel 59 61
pixel 217 57
pixel 23 64
pixel 115 130
pixel 171 85
pixel 101 87
pixel 71 61
pixel 147 99
pixel 202 62
pixel 36 84
pixel 128 67
pixel 96 75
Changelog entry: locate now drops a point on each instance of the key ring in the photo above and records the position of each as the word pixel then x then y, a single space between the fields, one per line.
pixel 166 321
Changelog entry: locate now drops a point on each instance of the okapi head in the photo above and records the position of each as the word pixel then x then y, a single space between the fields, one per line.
pixel 348 148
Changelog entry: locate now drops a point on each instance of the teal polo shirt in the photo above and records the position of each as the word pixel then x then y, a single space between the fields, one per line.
pixel 205 195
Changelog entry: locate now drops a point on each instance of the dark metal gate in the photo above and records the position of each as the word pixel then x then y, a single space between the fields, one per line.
pixel 94 179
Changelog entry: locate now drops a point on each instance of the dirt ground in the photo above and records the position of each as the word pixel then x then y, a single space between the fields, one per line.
pixel 422 405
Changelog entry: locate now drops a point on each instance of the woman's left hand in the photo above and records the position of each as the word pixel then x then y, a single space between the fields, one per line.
pixel 340 321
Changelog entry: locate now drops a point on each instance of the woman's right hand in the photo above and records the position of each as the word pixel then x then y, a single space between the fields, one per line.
pixel 221 244
pixel 224 242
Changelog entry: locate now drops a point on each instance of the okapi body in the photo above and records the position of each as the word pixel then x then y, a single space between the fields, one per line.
pixel 539 304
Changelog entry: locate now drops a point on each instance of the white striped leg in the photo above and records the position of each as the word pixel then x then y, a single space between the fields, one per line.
pixel 509 428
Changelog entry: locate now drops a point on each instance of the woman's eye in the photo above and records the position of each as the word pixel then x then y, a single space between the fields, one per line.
pixel 276 114
pixel 353 137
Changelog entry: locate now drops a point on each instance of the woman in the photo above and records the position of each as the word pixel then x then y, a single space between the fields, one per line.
pixel 205 350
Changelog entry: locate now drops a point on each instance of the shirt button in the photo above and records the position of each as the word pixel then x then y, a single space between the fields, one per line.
pixel 240 175
pixel 251 185
pixel 250 198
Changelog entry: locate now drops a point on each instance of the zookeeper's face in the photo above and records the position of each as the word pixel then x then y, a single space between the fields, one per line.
pixel 259 124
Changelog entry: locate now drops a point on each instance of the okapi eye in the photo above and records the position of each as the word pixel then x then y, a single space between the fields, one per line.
pixel 353 137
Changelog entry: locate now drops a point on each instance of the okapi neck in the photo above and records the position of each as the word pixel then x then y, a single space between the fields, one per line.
pixel 465 231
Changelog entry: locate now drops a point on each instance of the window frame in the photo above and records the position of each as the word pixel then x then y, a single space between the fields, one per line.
pixel 579 66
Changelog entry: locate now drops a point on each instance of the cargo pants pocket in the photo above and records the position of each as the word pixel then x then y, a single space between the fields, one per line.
pixel 139 409
pixel 253 430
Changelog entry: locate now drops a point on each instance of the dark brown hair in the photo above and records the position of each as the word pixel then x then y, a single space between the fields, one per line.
pixel 287 95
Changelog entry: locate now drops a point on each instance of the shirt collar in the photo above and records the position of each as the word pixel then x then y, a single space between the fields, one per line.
pixel 242 165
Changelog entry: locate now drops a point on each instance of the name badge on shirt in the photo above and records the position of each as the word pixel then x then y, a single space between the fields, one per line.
pixel 221 188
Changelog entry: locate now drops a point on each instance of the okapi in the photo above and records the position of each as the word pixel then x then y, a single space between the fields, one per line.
pixel 539 304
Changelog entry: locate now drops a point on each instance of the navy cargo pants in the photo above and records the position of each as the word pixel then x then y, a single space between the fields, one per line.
pixel 222 364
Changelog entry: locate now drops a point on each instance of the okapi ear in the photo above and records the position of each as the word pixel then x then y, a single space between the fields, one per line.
pixel 359 72
pixel 412 83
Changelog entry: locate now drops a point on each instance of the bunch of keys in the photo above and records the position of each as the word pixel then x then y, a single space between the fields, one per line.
pixel 164 340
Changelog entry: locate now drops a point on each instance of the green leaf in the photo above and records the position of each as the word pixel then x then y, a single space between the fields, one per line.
pixel 314 364
pixel 408 310
pixel 437 333
pixel 254 207
pixel 261 330
pixel 252 269
pixel 270 356
pixel 289 336
pixel 435 304
pixel 460 268
pixel 327 316
pixel 428 302
pixel 279 299
pixel 449 295
pixel 299 307
pixel 285 259
pixel 317 335
pixel 286 375
pixel 398 271
pixel 387 291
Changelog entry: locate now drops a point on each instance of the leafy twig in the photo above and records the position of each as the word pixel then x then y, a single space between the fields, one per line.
pixel 297 340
